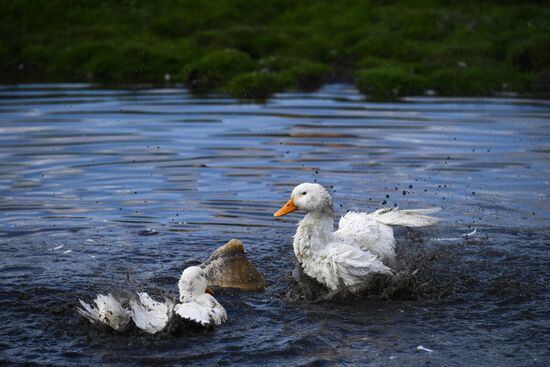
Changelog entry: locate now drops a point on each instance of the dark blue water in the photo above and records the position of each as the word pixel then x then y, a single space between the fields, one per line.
pixel 83 170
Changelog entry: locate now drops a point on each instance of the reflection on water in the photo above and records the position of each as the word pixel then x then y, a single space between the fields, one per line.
pixel 88 169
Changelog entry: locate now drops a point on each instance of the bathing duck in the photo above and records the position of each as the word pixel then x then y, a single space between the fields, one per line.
pixel 362 245
pixel 196 302
pixel 196 306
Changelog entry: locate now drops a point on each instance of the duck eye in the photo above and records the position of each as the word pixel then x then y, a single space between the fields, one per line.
pixel 304 193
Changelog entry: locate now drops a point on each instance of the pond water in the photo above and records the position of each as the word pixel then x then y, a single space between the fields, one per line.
pixel 84 170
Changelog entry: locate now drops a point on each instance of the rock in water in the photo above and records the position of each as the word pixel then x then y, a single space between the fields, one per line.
pixel 229 267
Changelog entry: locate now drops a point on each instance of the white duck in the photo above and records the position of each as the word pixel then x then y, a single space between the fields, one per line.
pixel 360 245
pixel 152 316
pixel 197 304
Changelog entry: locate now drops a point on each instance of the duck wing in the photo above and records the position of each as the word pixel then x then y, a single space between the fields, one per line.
pixel 405 217
pixel 193 311
pixel 373 232
pixel 365 232
pixel 108 310
pixel 204 310
pixel 89 311
pixel 217 311
pixel 340 264
pixel 149 315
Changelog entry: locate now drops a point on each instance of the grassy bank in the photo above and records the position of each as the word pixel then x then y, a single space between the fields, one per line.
pixel 252 49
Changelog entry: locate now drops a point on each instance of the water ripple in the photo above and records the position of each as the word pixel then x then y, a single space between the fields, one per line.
pixel 84 170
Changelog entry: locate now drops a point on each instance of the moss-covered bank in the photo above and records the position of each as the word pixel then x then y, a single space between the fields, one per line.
pixel 254 48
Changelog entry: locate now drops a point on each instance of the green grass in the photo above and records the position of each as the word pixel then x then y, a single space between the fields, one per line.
pixel 388 82
pixel 257 85
pixel 215 69
pixel 254 48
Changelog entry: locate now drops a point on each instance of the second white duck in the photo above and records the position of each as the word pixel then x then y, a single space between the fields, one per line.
pixel 196 305
pixel 359 247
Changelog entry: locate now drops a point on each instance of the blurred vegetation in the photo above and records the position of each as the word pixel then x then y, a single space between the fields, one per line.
pixel 254 48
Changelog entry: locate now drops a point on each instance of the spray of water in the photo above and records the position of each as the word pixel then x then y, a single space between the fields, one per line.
pixel 423 270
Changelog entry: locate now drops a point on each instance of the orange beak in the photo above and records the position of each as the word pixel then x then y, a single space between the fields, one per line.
pixel 209 291
pixel 289 207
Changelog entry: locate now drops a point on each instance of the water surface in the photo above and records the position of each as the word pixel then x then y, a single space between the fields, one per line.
pixel 83 170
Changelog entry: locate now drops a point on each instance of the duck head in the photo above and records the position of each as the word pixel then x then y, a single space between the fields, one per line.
pixel 193 283
pixel 310 197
